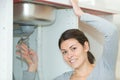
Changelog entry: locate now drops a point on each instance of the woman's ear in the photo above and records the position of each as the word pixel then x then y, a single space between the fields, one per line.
pixel 86 46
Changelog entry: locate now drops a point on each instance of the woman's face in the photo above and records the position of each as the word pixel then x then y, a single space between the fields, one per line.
pixel 74 53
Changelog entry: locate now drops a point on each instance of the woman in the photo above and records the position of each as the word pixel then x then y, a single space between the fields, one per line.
pixel 74 46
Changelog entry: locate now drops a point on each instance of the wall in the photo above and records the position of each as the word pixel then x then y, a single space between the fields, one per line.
pixel 114 5
pixel 117 22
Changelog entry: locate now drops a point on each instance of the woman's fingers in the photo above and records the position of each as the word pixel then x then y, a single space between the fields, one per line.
pixel 23 48
pixel 75 1
pixel 77 10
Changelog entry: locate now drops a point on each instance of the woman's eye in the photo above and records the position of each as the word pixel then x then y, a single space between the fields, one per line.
pixel 74 48
pixel 64 52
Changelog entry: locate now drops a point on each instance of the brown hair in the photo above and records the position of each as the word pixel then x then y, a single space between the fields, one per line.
pixel 78 35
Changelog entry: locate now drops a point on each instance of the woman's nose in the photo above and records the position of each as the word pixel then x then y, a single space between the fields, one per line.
pixel 70 54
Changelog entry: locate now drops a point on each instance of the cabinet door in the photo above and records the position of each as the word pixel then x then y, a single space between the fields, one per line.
pixel 6 39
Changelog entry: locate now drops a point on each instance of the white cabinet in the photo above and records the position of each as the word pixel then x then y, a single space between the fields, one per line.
pixel 101 6
pixel 104 6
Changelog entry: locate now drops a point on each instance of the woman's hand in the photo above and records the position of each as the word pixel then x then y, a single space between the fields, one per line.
pixel 29 56
pixel 74 1
pixel 77 10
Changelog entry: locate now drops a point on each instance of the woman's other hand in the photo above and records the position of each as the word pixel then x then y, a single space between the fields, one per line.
pixel 29 56
pixel 77 10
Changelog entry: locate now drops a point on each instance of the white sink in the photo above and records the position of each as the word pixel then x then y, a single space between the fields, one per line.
pixel 28 15
pixel 33 14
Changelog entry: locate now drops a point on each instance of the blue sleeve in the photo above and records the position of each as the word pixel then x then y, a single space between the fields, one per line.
pixel 64 76
pixel 28 75
pixel 110 34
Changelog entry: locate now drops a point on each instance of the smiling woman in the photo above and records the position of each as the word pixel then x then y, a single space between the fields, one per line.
pixel 69 40
pixel 76 54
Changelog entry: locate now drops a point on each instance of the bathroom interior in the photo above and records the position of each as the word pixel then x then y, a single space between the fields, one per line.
pixel 41 22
